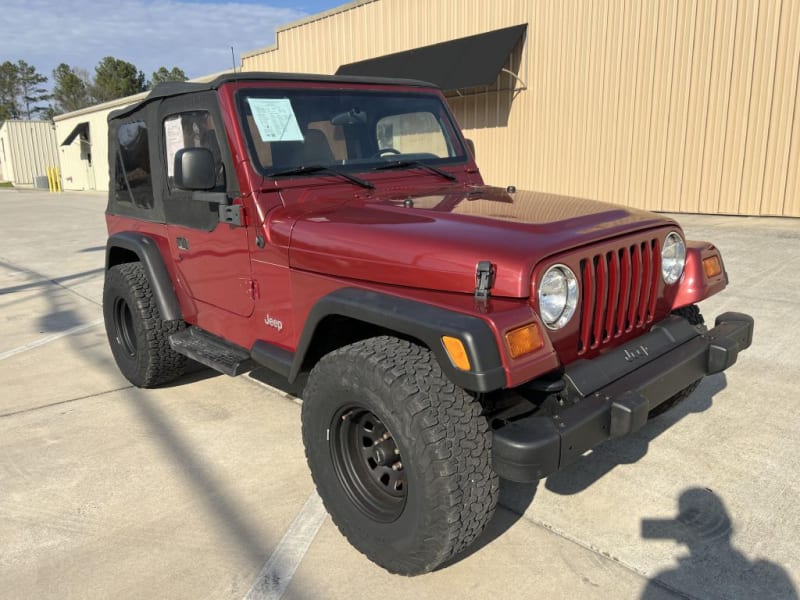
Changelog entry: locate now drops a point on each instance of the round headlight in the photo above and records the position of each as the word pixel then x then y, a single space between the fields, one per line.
pixel 558 296
pixel 673 258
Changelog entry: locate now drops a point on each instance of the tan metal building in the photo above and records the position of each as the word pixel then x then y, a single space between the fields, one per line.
pixel 27 150
pixel 83 145
pixel 689 106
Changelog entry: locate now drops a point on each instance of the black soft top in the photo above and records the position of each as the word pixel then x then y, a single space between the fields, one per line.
pixel 166 90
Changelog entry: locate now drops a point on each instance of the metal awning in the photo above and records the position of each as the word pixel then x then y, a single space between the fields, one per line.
pixel 81 129
pixel 455 65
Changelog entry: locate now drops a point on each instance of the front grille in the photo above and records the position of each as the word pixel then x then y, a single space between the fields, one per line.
pixel 618 292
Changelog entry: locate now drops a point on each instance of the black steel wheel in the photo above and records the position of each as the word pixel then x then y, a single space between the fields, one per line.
pixel 368 463
pixel 125 335
pixel 138 336
pixel 402 458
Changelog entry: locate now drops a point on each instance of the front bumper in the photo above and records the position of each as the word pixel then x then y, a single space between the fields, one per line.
pixel 611 396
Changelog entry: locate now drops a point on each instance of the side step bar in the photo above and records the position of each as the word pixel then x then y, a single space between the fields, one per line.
pixel 212 351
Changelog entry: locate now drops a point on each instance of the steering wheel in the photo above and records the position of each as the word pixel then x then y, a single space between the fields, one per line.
pixel 387 150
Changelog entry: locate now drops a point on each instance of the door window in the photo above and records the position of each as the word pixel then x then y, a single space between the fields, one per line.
pixel 193 129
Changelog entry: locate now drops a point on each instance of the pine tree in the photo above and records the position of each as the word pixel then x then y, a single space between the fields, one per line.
pixel 71 89
pixel 115 78
pixel 31 90
pixel 163 76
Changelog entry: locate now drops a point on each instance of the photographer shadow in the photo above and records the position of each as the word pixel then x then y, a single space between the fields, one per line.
pixel 713 568
pixel 591 467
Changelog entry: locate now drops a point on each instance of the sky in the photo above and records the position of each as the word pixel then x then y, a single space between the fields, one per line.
pixel 195 35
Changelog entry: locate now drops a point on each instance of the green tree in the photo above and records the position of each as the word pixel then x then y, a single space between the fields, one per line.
pixel 71 89
pixel 31 90
pixel 9 91
pixel 115 78
pixel 164 76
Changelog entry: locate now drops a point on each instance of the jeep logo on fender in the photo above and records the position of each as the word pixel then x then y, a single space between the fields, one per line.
pixel 273 322
pixel 636 353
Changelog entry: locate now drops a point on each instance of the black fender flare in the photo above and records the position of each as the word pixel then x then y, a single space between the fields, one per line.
pixel 422 321
pixel 146 249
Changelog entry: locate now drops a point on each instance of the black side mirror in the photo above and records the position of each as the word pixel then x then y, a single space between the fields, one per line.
pixel 195 169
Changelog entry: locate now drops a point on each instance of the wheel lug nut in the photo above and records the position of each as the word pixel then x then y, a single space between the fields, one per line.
pixel 397 466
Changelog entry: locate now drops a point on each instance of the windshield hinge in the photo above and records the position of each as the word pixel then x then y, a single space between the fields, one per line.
pixel 484 279
pixel 231 214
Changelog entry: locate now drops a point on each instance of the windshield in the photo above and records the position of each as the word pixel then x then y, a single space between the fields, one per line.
pixel 348 130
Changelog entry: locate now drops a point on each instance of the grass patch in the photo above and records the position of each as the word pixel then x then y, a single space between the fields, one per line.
pixel 6 184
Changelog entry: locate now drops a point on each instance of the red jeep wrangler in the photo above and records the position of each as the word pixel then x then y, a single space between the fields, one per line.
pixel 451 332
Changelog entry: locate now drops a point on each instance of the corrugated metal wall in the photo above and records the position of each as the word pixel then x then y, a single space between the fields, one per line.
pixel 675 105
pixel 29 147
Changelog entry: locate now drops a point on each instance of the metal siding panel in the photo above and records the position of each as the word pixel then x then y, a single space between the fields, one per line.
pixel 764 63
pixel 697 115
pixel 662 98
pixel 628 97
pixel 791 204
pixel 784 100
pixel 738 113
pixel 641 129
pixel 681 93
pixel 722 62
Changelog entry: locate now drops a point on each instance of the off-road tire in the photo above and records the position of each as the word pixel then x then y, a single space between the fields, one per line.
pixel 692 314
pixel 138 336
pixel 443 440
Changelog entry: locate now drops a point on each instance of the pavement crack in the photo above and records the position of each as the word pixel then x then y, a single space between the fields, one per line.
pixel 60 402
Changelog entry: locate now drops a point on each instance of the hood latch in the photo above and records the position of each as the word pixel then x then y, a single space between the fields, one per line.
pixel 484 279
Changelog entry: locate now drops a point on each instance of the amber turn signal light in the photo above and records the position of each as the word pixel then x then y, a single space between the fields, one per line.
pixel 712 266
pixel 524 340
pixel 456 352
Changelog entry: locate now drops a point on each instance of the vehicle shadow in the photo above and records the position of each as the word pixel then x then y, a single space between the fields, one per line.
pixel 279 382
pixel 591 467
pixel 713 568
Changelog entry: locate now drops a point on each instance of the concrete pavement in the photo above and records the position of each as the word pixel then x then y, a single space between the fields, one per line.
pixel 186 491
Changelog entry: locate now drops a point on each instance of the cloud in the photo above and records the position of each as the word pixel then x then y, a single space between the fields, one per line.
pixel 195 37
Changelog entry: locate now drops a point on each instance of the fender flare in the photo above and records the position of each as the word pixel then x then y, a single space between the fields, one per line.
pixel 422 321
pixel 146 249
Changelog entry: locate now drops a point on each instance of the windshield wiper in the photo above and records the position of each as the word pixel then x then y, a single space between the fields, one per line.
pixel 402 164
pixel 309 169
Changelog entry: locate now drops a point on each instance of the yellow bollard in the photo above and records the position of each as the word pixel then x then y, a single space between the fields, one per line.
pixel 58 178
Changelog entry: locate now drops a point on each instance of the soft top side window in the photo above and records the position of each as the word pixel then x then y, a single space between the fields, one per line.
pixel 132 174
pixel 192 129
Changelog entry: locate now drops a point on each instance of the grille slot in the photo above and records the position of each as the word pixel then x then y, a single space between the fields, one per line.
pixel 619 290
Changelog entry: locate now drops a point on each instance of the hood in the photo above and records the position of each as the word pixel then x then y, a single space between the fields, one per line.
pixel 434 241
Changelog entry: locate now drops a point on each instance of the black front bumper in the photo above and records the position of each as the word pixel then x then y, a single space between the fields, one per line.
pixel 611 395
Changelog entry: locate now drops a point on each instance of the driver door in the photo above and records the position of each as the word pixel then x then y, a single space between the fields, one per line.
pixel 212 257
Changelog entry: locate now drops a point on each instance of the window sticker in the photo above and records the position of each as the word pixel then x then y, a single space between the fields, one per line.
pixel 275 119
pixel 173 136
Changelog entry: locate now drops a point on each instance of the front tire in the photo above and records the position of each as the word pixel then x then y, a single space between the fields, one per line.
pixel 138 336
pixel 401 457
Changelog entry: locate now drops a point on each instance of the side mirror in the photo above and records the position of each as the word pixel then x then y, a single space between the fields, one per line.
pixel 195 169
pixel 470 146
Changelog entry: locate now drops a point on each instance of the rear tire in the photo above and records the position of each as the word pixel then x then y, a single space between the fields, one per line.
pixel 138 336
pixel 692 314
pixel 400 455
